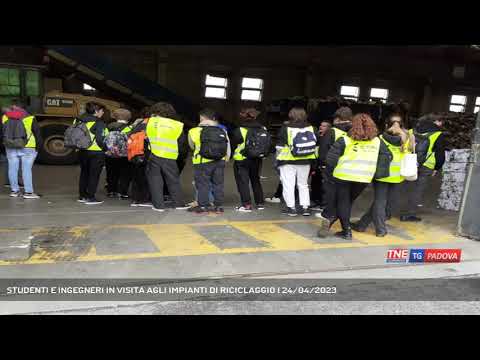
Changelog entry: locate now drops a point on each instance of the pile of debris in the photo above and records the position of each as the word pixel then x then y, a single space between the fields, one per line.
pixel 453 179
pixel 459 129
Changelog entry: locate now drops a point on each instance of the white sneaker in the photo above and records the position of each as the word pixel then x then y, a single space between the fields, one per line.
pixel 243 209
pixel 31 196
pixel 147 205
pixel 159 210
pixel 274 200
pixel 182 207
pixel 319 215
pixel 15 194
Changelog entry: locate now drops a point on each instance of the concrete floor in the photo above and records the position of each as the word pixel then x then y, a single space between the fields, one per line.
pixel 56 237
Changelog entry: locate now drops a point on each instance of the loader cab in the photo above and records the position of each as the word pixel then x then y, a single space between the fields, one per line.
pixel 21 85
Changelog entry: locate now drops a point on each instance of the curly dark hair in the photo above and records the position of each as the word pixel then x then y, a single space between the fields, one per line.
pixel 363 128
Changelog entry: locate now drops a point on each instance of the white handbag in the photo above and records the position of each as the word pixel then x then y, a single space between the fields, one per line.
pixel 409 166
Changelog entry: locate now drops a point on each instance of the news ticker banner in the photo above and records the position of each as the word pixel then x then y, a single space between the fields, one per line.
pixel 453 289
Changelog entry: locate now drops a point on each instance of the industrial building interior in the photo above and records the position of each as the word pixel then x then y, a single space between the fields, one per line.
pixel 56 237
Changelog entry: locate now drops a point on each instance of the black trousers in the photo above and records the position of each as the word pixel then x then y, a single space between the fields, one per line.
pixel 330 191
pixel 346 193
pixel 416 189
pixel 204 174
pixel 248 172
pixel 119 175
pixel 386 196
pixel 162 171
pixel 181 165
pixel 316 184
pixel 140 189
pixel 91 166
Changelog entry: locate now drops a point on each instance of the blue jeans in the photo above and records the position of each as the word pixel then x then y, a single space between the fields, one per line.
pixel 211 199
pixel 27 158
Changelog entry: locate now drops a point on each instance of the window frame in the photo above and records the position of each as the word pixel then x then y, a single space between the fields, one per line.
pixel 350 97
pixel 207 86
pixel 476 107
pixel 464 105
pixel 376 98
pixel 255 89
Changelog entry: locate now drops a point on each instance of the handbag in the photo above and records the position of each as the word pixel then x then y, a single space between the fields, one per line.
pixel 409 166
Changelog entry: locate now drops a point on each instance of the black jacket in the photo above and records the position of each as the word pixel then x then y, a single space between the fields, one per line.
pixel 98 129
pixel 326 141
pixel 35 131
pixel 283 141
pixel 338 149
pixel 236 135
pixel 427 126
pixel 182 142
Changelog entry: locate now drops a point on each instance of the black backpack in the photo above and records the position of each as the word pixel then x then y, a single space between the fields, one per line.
pixel 422 142
pixel 257 143
pixel 213 142
pixel 15 134
pixel 304 143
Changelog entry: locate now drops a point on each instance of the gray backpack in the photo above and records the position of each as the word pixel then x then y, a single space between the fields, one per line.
pixel 78 136
pixel 15 134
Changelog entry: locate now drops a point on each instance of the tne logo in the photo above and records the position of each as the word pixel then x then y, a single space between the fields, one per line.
pixel 397 255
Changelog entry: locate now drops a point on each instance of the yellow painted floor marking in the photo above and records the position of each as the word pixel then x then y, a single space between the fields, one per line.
pixel 277 237
pixel 178 240
pixel 183 240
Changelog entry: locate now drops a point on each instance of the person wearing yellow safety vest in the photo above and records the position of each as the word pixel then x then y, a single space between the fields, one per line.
pixel 119 169
pixel 167 141
pixel 208 173
pixel 342 123
pixel 387 187
pixel 295 169
pixel 247 170
pixel 92 160
pixel 353 161
pixel 428 128
pixel 24 157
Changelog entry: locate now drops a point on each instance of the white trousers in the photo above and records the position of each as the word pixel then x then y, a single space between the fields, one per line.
pixel 291 175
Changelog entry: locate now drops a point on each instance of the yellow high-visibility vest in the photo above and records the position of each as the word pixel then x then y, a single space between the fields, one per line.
pixel 359 161
pixel 285 153
pixel 163 134
pixel 238 151
pixel 339 133
pixel 431 159
pixel 27 122
pixel 94 146
pixel 394 174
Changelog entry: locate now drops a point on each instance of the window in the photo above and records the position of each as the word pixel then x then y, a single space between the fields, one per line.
pixel 457 103
pixel 216 87
pixel 32 80
pixel 350 92
pixel 252 89
pixel 477 104
pixel 9 82
pixel 379 94
pixel 87 87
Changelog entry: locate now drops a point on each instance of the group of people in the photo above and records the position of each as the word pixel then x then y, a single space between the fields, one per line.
pixel 338 160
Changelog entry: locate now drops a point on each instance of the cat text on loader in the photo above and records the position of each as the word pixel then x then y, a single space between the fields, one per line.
pixel 59 111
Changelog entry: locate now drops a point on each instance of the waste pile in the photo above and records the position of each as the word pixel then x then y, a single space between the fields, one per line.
pixel 453 179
